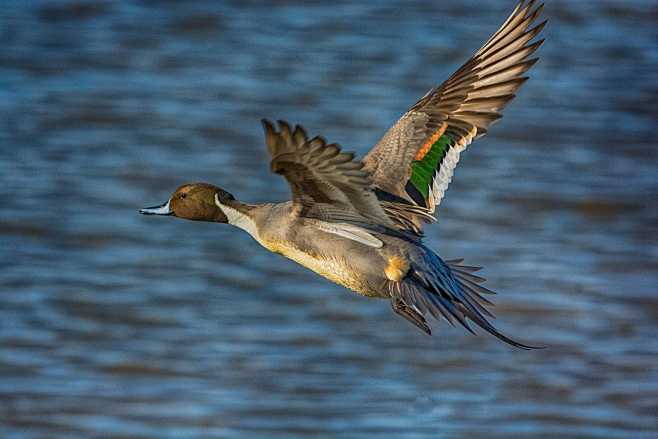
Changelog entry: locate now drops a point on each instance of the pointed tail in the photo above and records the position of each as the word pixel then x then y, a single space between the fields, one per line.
pixel 451 291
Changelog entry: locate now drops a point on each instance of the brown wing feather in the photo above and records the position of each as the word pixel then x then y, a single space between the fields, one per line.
pixel 326 183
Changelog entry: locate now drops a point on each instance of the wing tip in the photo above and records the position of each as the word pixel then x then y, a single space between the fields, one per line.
pixel 267 125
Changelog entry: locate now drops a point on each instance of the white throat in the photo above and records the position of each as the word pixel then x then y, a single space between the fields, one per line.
pixel 238 219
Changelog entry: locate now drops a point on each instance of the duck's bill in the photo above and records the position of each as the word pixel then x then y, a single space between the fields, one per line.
pixel 157 210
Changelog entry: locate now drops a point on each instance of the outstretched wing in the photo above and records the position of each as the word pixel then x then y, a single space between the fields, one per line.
pixel 326 183
pixel 416 157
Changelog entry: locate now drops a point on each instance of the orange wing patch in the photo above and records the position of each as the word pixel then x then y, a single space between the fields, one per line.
pixel 422 152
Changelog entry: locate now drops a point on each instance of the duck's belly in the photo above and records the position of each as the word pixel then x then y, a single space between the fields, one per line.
pixel 337 269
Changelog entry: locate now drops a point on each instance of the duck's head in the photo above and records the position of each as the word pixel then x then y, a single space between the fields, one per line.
pixel 195 201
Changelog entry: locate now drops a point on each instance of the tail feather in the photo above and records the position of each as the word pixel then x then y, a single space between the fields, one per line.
pixel 470 276
pixel 471 290
pixel 448 290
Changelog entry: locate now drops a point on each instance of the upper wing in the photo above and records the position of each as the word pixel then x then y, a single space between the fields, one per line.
pixel 326 184
pixel 416 157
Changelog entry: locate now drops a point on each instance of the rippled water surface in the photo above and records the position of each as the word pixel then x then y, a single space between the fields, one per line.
pixel 116 325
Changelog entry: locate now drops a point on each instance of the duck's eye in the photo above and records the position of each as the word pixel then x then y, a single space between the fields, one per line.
pixel 183 195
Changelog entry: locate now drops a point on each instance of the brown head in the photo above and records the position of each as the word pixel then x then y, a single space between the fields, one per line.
pixel 194 201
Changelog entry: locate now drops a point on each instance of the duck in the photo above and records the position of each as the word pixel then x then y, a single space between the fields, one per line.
pixel 359 222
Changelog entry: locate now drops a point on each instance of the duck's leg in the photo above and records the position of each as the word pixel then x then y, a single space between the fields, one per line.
pixel 410 314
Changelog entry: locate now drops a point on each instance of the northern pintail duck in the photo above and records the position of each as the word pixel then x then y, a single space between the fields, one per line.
pixel 359 222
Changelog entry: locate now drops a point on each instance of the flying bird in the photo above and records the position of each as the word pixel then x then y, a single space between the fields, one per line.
pixel 359 223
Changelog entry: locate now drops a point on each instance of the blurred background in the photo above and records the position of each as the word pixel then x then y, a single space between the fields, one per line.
pixel 116 325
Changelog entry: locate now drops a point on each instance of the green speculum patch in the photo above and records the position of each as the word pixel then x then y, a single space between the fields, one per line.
pixel 423 170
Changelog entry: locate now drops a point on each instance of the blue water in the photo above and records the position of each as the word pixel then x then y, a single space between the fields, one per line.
pixel 116 325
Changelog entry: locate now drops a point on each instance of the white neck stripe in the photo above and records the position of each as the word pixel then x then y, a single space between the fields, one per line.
pixel 238 219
